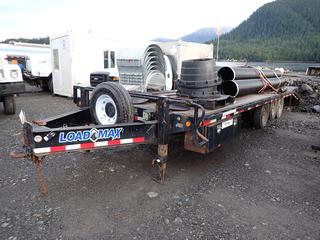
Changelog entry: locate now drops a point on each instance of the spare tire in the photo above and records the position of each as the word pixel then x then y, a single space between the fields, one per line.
pixel 110 103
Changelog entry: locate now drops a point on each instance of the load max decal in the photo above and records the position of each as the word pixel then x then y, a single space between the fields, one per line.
pixel 93 135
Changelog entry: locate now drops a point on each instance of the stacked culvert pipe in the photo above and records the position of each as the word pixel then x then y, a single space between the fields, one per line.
pixel 142 67
pixel 198 79
pixel 247 80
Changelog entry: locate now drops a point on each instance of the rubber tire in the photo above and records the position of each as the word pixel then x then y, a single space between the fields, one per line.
pixel 273 110
pixel 50 85
pixel 261 116
pixel 9 104
pixel 279 107
pixel 247 119
pixel 119 95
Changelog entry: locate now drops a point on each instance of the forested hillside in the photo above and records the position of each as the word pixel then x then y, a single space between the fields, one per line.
pixel 280 30
pixel 29 40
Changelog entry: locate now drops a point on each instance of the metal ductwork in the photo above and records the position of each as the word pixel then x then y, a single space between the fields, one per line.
pixel 142 67
pixel 229 73
pixel 236 88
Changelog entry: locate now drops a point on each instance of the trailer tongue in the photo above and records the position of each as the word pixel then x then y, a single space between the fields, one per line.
pixel 156 119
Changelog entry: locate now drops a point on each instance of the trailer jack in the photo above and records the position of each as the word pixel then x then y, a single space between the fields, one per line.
pixel 161 163
pixel 37 161
pixel 42 185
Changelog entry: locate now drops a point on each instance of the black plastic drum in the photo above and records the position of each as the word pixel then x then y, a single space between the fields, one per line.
pixel 198 79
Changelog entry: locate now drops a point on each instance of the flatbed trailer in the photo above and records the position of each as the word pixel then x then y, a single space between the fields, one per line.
pixel 161 116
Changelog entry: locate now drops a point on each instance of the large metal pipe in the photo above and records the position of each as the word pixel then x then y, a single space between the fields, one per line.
pixel 237 88
pixel 229 73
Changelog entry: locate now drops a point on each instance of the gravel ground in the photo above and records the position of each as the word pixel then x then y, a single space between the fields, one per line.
pixel 308 90
pixel 262 184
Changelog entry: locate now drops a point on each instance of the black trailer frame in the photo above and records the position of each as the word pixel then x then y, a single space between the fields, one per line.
pixel 154 122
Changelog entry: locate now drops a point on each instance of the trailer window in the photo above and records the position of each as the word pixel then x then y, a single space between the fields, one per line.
pixel 55 59
pixel 20 60
pixel 106 59
pixel 109 59
pixel 112 59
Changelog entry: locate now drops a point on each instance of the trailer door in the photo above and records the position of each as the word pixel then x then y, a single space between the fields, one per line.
pixel 61 74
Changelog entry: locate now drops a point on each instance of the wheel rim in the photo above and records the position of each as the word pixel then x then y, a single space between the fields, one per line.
pixel 106 110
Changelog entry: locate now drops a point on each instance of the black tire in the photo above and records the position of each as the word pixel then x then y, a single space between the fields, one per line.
pixel 273 110
pixel 9 104
pixel 121 99
pixel 279 107
pixel 50 85
pixel 247 119
pixel 261 116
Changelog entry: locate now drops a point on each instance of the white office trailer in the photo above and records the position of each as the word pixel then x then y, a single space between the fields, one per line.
pixel 76 55
pixel 180 51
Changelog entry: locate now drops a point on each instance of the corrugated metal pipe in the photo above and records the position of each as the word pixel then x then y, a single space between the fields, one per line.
pixel 142 67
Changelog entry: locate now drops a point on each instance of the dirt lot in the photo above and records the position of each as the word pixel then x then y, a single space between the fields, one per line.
pixel 263 184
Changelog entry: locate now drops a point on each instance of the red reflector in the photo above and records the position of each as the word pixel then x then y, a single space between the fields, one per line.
pixel 206 122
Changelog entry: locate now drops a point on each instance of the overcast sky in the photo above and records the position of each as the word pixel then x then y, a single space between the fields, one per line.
pixel 117 19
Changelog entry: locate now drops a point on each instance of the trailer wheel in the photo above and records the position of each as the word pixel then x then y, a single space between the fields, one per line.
pixel 261 116
pixel 279 107
pixel 9 104
pixel 111 103
pixel 50 85
pixel 273 110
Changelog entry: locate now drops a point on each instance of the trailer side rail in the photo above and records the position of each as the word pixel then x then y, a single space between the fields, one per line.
pixel 41 140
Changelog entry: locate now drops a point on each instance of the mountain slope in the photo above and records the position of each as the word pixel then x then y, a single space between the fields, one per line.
pixel 200 36
pixel 203 35
pixel 161 39
pixel 280 30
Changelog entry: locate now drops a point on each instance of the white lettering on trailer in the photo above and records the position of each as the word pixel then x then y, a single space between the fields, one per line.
pixel 93 135
pixel 227 124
